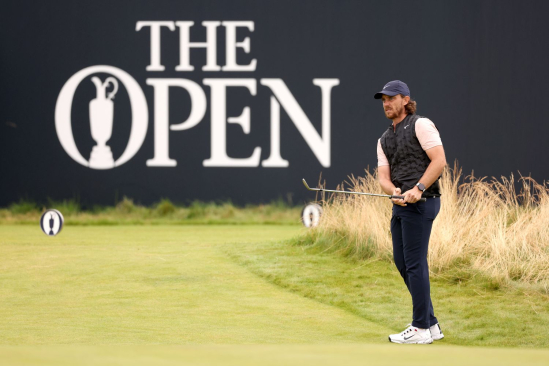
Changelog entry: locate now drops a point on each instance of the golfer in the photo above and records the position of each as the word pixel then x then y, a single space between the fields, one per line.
pixel 410 161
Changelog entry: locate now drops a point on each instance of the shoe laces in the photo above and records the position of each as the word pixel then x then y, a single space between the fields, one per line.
pixel 408 330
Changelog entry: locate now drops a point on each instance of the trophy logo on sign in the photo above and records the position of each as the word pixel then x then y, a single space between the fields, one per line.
pixel 101 117
pixel 52 221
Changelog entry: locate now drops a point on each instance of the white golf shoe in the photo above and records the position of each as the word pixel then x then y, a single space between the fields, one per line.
pixel 436 332
pixel 412 335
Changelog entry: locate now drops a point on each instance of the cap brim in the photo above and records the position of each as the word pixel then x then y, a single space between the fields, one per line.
pixel 379 94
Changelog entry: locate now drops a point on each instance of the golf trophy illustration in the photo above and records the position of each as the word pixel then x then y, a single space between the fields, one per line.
pixel 101 117
pixel 51 224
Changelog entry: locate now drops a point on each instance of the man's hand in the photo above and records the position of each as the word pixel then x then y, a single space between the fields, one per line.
pixel 398 201
pixel 413 195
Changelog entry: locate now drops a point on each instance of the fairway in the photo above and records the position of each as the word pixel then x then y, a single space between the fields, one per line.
pixel 133 294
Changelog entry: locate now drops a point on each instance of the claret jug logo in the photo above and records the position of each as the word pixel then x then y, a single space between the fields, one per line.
pixel 101 115
pixel 102 108
pixel 101 111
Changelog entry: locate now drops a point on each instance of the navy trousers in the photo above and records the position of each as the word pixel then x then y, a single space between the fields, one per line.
pixel 411 229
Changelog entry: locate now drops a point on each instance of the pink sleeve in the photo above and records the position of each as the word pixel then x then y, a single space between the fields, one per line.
pixel 427 134
pixel 381 158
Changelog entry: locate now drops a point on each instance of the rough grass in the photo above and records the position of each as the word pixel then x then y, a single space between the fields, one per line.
pixel 127 212
pixel 485 227
pixel 472 311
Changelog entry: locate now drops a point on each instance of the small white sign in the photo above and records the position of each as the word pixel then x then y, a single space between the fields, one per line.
pixel 310 216
pixel 51 222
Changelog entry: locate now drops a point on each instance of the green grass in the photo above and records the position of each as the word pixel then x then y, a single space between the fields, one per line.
pixel 272 355
pixel 164 212
pixel 22 207
pixel 472 311
pixel 127 285
pixel 236 295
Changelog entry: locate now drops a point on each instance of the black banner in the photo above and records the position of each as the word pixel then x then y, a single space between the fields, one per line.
pixel 239 100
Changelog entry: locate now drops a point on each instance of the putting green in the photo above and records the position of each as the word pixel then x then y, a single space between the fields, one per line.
pixel 266 355
pixel 154 285
pixel 167 294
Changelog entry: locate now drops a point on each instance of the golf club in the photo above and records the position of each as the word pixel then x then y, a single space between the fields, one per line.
pixel 361 193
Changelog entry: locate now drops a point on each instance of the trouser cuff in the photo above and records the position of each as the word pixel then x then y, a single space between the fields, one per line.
pixel 420 325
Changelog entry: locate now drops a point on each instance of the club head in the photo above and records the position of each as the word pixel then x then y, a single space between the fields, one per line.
pixel 309 188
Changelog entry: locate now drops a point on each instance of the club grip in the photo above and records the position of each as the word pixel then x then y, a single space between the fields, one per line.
pixel 422 199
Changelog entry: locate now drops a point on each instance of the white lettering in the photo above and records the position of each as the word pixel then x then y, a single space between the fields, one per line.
pixel 210 45
pixel 218 112
pixel 161 116
pixel 155 41
pixel 320 145
pixel 232 44
pixel 275 160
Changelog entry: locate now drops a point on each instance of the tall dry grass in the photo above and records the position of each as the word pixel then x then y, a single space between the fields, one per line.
pixel 485 226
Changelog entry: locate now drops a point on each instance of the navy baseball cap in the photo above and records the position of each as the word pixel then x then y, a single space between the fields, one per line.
pixel 393 88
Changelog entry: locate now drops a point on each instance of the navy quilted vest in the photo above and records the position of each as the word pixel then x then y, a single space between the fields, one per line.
pixel 407 160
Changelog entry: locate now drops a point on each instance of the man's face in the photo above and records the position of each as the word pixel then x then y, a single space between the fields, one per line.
pixel 394 105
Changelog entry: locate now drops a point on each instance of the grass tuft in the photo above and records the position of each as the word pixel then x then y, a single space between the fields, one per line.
pixel 66 207
pixel 165 207
pixel 485 227
pixel 24 206
pixel 127 212
pixel 197 209
pixel 126 206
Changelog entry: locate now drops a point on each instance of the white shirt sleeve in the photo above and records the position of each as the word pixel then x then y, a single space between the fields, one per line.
pixel 427 134
pixel 381 158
